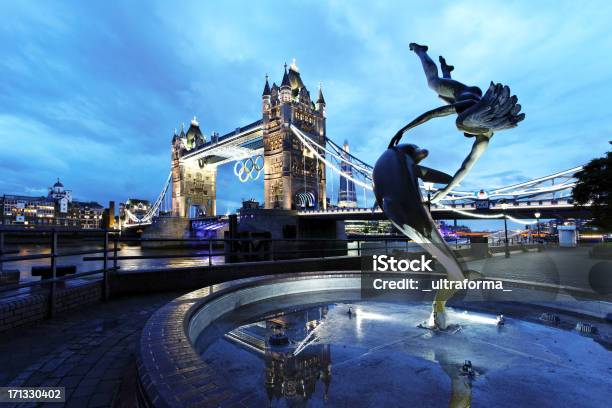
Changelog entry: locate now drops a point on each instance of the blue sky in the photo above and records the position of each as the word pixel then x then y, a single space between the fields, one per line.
pixel 91 91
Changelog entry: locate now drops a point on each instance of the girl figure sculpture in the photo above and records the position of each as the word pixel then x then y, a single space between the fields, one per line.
pixel 478 116
pixel 396 173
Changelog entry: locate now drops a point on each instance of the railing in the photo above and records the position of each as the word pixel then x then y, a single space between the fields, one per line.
pixel 53 235
pixel 235 250
pixel 262 248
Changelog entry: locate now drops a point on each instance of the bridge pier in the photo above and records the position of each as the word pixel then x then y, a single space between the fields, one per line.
pixel 284 226
pixel 166 228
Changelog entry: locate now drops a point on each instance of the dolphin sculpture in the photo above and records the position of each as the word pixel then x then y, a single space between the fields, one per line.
pixel 396 187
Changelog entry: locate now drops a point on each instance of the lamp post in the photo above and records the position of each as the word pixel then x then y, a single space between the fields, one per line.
pixel 537 215
pixel 428 186
pixel 504 207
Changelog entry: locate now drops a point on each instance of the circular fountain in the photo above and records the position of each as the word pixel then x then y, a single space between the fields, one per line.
pixel 291 341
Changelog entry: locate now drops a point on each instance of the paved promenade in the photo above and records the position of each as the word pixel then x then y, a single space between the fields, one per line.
pixel 567 267
pixel 88 351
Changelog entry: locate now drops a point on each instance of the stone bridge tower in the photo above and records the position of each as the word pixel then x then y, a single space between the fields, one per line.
pixel 293 178
pixel 193 182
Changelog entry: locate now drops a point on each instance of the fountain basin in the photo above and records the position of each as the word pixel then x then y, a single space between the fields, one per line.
pixel 209 348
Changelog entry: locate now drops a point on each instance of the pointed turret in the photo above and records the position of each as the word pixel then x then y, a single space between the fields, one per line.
pixel 266 91
pixel 285 88
pixel 266 97
pixel 321 101
pixel 194 135
pixel 286 82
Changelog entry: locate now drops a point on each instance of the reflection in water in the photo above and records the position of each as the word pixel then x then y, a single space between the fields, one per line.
pixel 25 267
pixel 461 380
pixel 381 358
pixel 295 377
pixel 294 361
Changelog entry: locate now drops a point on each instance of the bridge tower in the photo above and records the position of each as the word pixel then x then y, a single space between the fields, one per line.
pixel 293 177
pixel 194 190
pixel 347 197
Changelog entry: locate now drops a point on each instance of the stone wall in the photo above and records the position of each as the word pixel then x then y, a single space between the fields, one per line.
pixel 166 228
pixel 159 280
pixel 27 308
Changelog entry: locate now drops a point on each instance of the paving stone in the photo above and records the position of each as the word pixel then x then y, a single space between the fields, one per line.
pixel 70 381
pixel 101 400
pixel 77 402
pixel 86 351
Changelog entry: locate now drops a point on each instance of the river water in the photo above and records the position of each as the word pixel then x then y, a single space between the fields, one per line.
pixel 193 257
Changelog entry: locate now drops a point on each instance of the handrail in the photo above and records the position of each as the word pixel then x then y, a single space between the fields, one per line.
pixel 54 233
pixel 249 248
pixel 17 258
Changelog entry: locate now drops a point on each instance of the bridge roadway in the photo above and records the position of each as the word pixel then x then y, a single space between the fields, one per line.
pixel 245 141
pixel 548 209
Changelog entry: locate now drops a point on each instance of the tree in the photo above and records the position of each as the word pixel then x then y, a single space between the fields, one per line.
pixel 594 186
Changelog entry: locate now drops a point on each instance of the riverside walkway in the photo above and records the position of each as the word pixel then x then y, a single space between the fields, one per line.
pixel 88 351
pixel 91 351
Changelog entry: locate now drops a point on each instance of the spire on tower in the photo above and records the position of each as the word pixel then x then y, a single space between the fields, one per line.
pixel 321 100
pixel 286 82
pixel 266 91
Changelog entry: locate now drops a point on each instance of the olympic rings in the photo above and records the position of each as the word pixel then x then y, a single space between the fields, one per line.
pixel 249 169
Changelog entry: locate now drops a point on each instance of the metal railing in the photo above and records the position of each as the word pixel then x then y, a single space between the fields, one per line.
pixel 262 249
pixel 235 250
pixel 52 235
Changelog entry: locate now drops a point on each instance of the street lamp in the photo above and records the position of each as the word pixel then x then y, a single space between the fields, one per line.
pixel 537 215
pixel 504 208
pixel 428 186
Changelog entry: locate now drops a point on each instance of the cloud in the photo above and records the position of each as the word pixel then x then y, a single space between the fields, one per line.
pixel 91 93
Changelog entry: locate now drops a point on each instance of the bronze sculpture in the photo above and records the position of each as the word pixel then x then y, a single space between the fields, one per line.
pixel 396 173
pixel 478 116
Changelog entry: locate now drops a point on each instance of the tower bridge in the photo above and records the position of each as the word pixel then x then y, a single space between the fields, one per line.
pixel 289 146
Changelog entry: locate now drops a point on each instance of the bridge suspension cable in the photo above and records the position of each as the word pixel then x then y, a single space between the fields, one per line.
pixel 304 139
pixel 366 171
pixel 341 155
pixel 154 209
